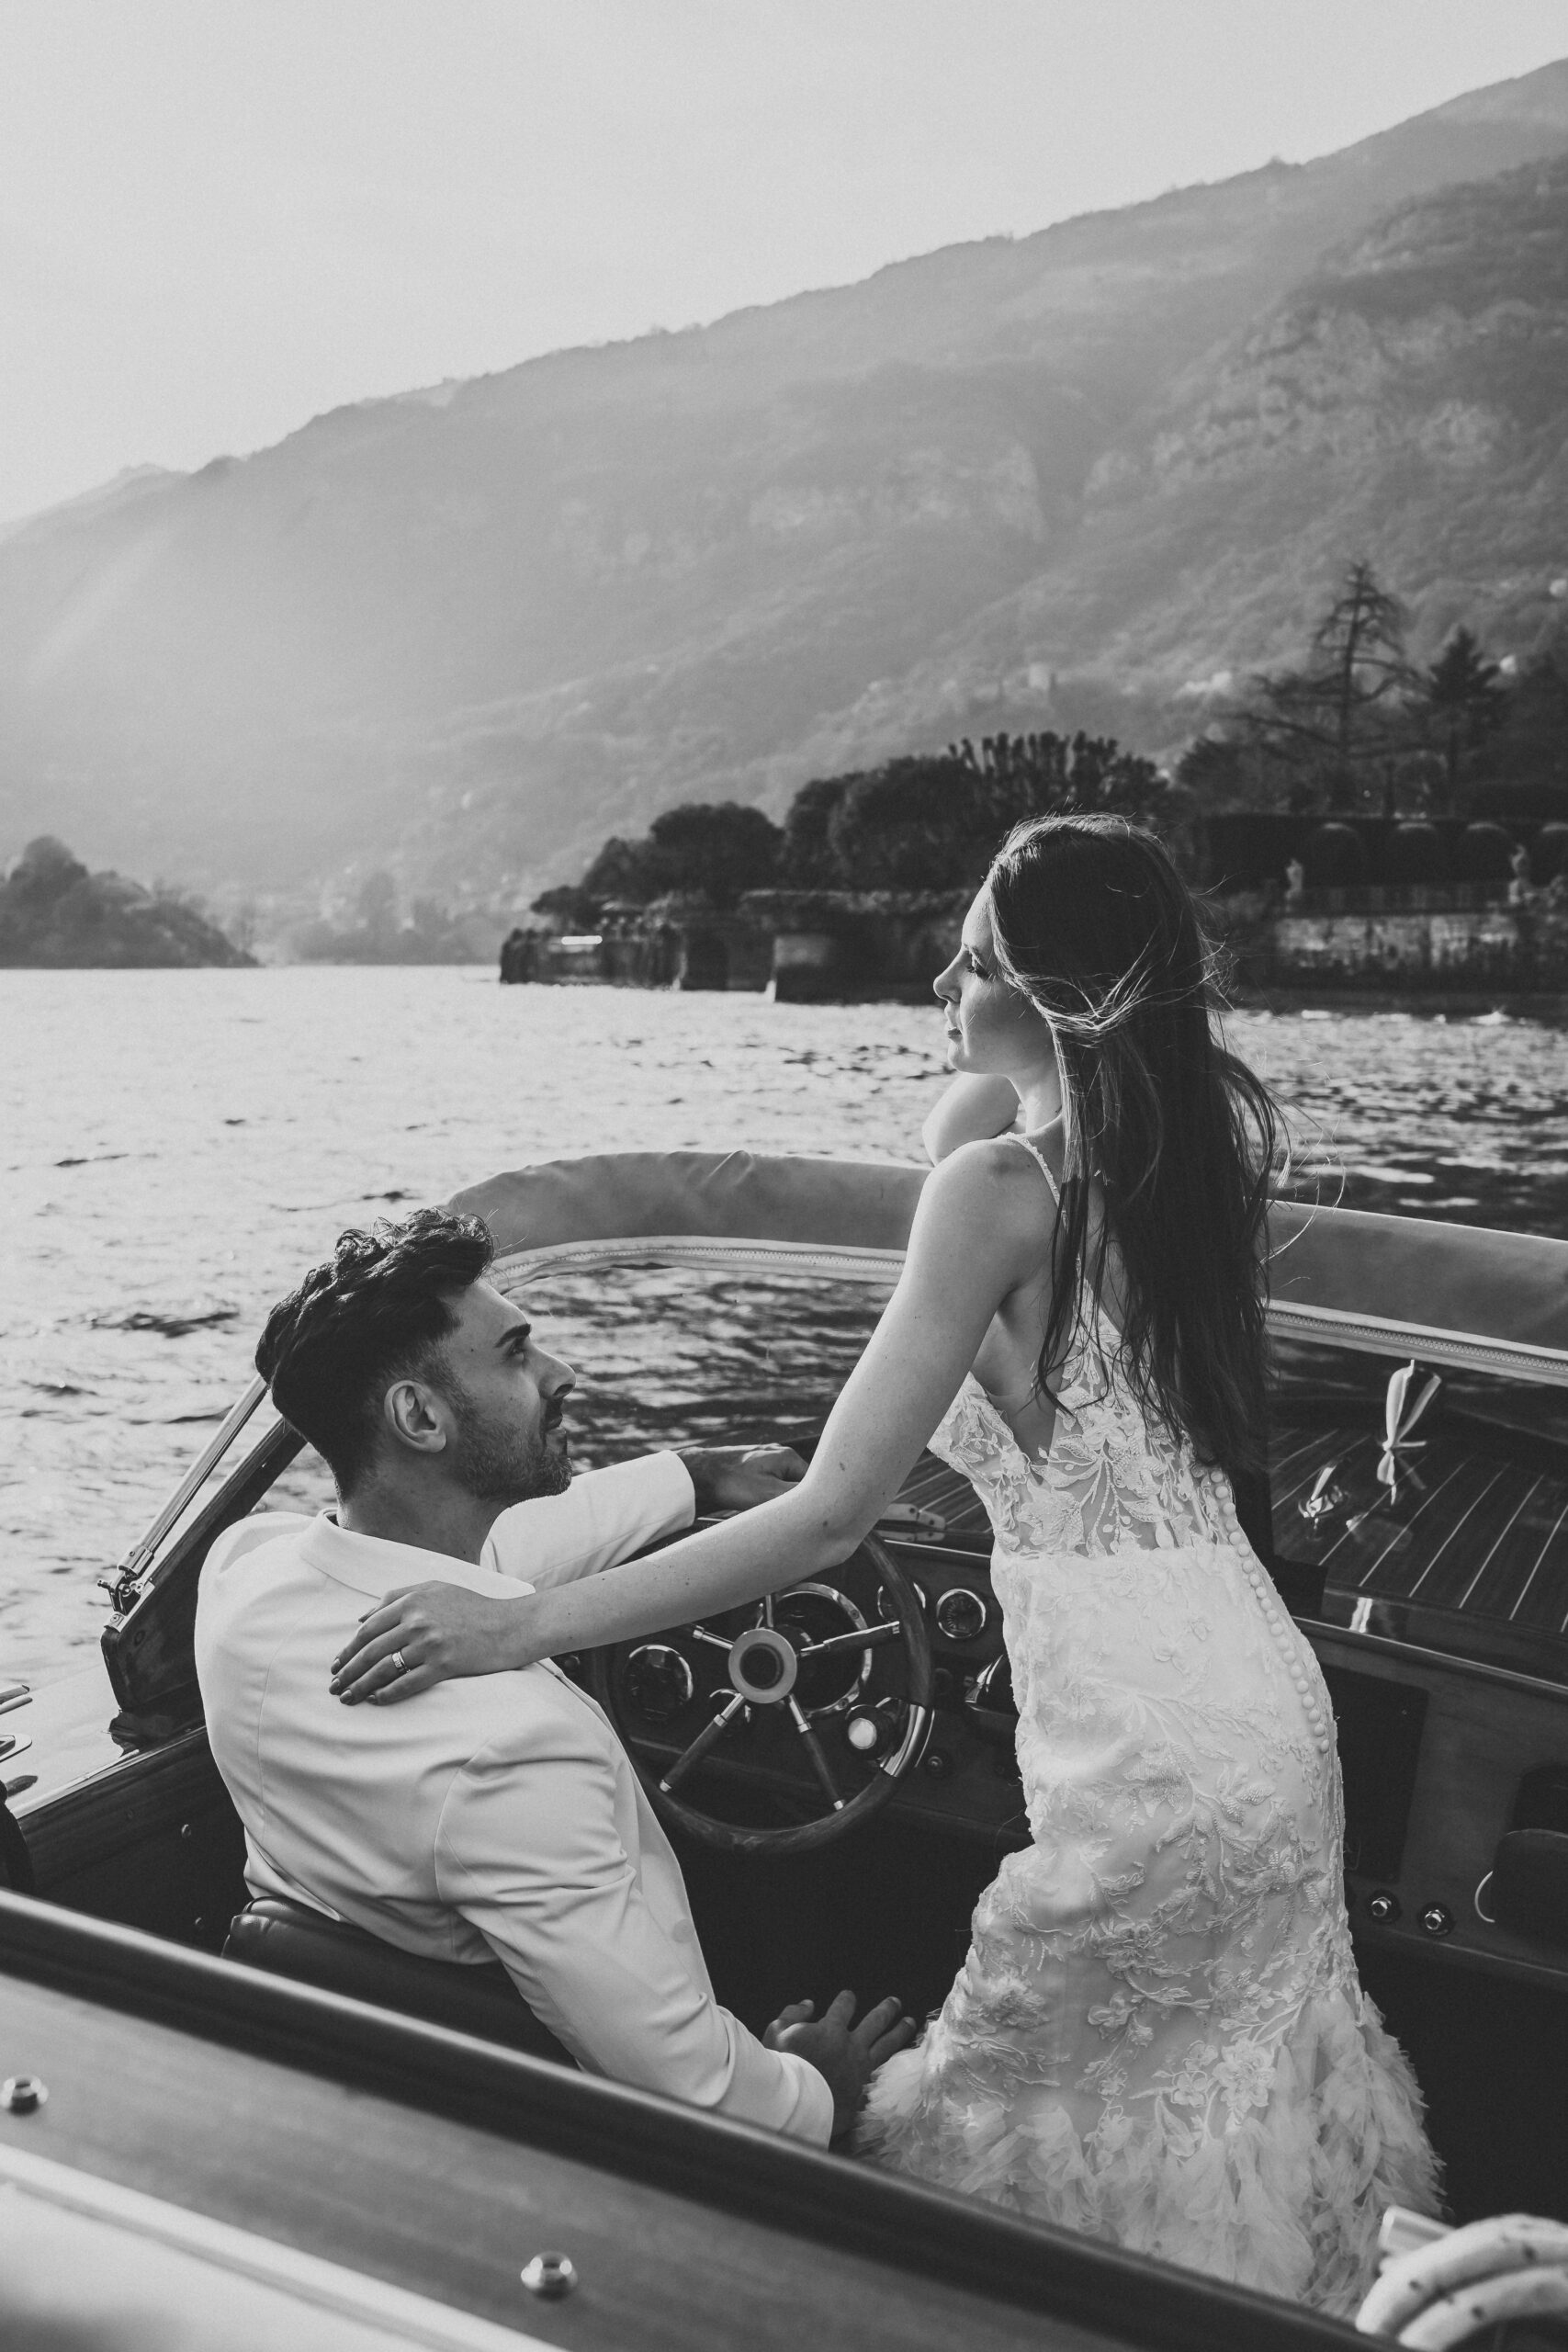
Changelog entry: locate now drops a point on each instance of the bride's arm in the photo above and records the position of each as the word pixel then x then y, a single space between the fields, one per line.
pixel 970 1109
pixel 979 1231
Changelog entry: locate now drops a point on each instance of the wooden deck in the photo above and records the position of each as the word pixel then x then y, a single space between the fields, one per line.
pixel 1467 1530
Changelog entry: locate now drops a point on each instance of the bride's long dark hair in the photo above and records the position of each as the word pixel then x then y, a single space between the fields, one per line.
pixel 1092 921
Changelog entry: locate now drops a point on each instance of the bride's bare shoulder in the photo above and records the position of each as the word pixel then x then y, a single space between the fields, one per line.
pixel 992 1181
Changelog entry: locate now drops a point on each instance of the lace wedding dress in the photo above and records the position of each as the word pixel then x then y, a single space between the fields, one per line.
pixel 1158 2037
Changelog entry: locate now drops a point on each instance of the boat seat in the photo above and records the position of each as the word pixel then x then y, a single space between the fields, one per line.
pixel 288 1939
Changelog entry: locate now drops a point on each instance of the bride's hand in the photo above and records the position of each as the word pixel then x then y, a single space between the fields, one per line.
pixel 973 1107
pixel 425 1633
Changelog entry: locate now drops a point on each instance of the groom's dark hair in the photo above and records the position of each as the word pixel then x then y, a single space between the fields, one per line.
pixel 377 1311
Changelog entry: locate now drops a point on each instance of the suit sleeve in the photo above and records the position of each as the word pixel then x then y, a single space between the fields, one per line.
pixel 600 1519
pixel 529 1851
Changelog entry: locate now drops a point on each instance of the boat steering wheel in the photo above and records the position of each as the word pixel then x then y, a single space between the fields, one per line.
pixel 794 1675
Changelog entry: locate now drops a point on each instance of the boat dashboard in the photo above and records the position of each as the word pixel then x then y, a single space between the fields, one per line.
pixel 1417 1526
pixel 1430 1574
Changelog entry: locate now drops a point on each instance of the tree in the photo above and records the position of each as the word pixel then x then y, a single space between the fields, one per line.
pixel 931 821
pixel 1524 765
pixel 570 903
pixel 1220 773
pixel 630 870
pixel 1359 644
pixel 708 850
pixel 935 822
pixel 44 872
pixel 378 905
pixel 1345 714
pixel 807 861
pixel 719 849
pixel 1461 702
pixel 1046 774
pixel 915 824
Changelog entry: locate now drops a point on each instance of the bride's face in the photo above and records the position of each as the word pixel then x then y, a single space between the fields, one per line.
pixel 991 1026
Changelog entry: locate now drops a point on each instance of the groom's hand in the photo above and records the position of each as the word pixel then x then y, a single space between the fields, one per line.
pixel 734 1477
pixel 845 2055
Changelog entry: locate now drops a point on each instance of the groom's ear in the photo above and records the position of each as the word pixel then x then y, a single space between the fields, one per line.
pixel 414 1417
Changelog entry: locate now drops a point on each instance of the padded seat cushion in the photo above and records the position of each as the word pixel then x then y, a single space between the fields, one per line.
pixel 288 1940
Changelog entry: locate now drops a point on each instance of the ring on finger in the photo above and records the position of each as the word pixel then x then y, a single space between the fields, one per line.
pixel 401 1662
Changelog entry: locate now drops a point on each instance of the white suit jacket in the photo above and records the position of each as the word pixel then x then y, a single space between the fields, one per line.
pixel 497 1816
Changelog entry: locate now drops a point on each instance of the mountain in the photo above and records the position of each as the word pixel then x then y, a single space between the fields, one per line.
pixel 1407 400
pixel 466 632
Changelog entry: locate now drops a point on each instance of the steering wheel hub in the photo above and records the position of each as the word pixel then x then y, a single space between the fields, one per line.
pixel 796 1679
pixel 763 1666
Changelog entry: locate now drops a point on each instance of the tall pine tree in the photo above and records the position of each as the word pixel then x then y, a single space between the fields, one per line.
pixel 1344 716
pixel 1461 702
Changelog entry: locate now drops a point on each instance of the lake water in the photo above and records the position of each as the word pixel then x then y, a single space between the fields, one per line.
pixel 177 1146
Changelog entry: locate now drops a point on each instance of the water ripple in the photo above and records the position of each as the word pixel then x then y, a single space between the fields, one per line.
pixel 220 1127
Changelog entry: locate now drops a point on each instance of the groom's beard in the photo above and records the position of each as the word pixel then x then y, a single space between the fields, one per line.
pixel 498 1462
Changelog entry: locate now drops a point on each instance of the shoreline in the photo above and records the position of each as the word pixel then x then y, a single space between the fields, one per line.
pixel 1548 1006
pixel 1463 1004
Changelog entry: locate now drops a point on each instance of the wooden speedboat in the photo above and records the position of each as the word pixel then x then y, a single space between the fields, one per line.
pixel 339 2144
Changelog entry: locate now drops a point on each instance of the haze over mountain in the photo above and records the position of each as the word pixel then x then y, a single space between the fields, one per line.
pixel 468 631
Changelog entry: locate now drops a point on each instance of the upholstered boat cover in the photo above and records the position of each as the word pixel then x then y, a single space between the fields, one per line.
pixel 770 1209
pixel 1452 1294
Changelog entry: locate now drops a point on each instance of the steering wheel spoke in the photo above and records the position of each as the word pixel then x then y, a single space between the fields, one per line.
pixel 709 1736
pixel 816 1752
pixel 885 1629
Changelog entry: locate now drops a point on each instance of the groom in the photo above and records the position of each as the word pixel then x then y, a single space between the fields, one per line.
pixel 499 1816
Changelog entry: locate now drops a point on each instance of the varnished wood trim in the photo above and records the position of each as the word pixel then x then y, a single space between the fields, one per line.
pixel 102 1814
pixel 731 2167
pixel 310 2286
pixel 1413 1654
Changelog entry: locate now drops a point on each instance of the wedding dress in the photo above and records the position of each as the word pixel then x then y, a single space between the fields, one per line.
pixel 1159 2036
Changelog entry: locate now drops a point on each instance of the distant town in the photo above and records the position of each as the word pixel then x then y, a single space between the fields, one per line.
pixel 1357 821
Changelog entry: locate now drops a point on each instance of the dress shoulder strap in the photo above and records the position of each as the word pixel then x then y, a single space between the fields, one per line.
pixel 1039 1159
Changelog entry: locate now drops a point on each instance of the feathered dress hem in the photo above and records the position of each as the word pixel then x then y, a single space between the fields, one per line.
pixel 1282 2191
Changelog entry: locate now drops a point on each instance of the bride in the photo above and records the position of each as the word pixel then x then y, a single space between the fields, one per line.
pixel 1158 2037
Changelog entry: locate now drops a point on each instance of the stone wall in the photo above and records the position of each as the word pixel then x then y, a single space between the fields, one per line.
pixel 817 947
pixel 1521 949
pixel 658 950
pixel 1251 849
pixel 842 944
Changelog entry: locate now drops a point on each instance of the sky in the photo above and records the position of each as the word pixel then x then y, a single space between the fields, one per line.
pixel 219 217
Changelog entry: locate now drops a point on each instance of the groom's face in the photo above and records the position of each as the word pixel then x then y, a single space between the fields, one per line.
pixel 505 1394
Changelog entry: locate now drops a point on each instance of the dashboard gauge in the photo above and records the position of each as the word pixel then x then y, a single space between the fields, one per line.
pixel 658 1681
pixel 961 1616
